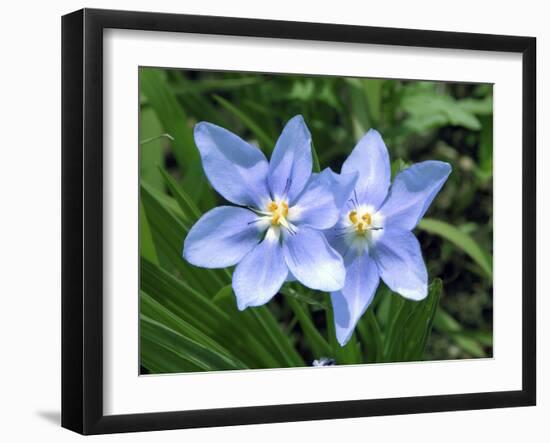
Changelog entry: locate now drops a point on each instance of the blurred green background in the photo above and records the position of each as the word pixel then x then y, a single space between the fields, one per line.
pixel 189 321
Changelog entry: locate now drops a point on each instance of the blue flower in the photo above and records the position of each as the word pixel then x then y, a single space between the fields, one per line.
pixel 275 233
pixel 374 234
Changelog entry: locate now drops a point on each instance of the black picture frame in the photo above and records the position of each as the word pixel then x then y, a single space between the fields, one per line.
pixel 82 220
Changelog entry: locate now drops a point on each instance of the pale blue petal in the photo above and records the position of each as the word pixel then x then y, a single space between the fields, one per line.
pixel 313 261
pixel 291 161
pixel 336 239
pixel 260 274
pixel 412 193
pixel 352 301
pixel 320 204
pixel 236 169
pixel 400 264
pixel 221 237
pixel 371 160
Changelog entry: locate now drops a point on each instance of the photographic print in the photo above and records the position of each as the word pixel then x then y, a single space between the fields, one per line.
pixel 283 221
pixel 309 221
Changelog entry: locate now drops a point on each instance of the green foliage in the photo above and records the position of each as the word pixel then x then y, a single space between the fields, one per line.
pixel 189 320
pixel 163 101
pixel 265 140
pixel 410 325
pixel 151 148
pixel 471 341
pixel 461 240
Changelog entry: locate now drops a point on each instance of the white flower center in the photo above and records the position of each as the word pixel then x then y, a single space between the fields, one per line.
pixel 361 227
pixel 274 218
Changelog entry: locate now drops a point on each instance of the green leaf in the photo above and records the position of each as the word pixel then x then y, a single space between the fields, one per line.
pixel 460 117
pixel 469 341
pixel 184 348
pixel 305 296
pixel 302 90
pixel 479 107
pixel 412 326
pixel 278 336
pixel 370 334
pixel 155 138
pixel 203 314
pixel 218 85
pixel 186 203
pixel 486 147
pixel 318 344
pixel 265 140
pixel 373 95
pixel 171 115
pixel 397 166
pixel 461 240
pixel 360 115
pixel 154 310
pixel 382 305
pixel 202 194
pixel 260 322
pixel 146 245
pixel 428 110
pixel 316 164
pixel 168 232
pixel 469 345
pixel 196 104
pixel 159 360
pixel 150 150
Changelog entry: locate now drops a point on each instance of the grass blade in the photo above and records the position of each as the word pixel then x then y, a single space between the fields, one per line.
pixel 206 316
pixel 154 310
pixel 171 115
pixel 412 326
pixel 318 344
pixel 184 348
pixel 461 240
pixel 465 340
pixel 168 234
pixel 265 140
pixel 370 334
pixel 186 203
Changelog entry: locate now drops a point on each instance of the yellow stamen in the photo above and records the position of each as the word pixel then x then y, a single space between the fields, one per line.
pixel 279 212
pixel 361 221
pixel 285 209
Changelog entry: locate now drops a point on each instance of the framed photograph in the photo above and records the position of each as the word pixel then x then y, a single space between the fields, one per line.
pixel 269 221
